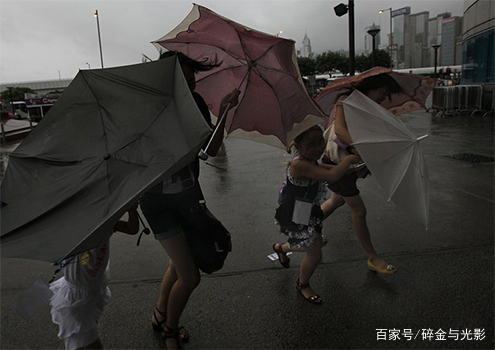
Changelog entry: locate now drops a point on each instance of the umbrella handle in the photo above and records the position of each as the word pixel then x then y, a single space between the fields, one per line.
pixel 211 150
pixel 146 230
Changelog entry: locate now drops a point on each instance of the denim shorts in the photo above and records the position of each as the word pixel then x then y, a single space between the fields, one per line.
pixel 166 213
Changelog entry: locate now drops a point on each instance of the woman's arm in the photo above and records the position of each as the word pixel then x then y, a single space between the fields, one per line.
pixel 341 125
pixel 302 169
pixel 229 101
pixel 131 226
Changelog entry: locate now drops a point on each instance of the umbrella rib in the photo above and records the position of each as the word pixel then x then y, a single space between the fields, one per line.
pixel 218 71
pixel 266 51
pixel 206 45
pixel 271 86
pixel 374 142
pixel 121 81
pixel 390 156
pixel 99 109
pixel 402 175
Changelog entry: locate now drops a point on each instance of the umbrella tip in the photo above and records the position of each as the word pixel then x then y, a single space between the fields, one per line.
pixel 422 137
pixel 202 155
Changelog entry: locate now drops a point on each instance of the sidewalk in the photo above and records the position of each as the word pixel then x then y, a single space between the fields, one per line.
pixel 444 288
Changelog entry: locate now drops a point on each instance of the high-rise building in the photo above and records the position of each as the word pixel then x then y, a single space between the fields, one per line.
pixel 435 37
pixel 451 37
pixel 306 47
pixel 401 27
pixel 478 43
pixel 416 40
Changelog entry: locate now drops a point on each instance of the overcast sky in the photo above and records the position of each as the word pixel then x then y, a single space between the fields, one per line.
pixel 48 40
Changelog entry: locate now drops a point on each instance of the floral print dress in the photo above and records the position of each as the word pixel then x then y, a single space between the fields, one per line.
pixel 300 235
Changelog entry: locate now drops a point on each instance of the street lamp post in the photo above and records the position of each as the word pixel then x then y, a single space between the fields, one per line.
pixel 373 32
pixel 390 37
pixel 11 101
pixel 435 47
pixel 340 10
pixel 99 36
pixel 89 66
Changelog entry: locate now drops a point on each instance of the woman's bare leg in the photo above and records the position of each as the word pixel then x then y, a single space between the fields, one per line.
pixel 362 231
pixel 187 278
pixel 335 201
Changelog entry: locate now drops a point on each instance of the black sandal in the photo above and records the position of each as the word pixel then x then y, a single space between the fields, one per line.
pixel 314 299
pixel 183 333
pixel 172 333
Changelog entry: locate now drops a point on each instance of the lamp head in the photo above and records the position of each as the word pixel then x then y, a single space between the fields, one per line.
pixel 373 31
pixel 341 9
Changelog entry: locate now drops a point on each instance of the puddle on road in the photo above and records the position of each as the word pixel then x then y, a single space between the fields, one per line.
pixel 471 158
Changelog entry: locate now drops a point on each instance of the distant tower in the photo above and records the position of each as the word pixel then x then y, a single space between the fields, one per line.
pixel 306 48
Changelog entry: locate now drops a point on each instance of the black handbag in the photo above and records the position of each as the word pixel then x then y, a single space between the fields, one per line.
pixel 209 240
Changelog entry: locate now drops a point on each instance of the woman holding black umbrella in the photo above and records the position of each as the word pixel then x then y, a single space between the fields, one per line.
pixel 168 207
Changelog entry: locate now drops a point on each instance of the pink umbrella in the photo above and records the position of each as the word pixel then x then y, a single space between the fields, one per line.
pixel 274 106
pixel 415 90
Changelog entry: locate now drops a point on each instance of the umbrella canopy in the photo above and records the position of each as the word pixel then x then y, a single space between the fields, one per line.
pixel 111 136
pixel 274 106
pixel 415 90
pixel 391 152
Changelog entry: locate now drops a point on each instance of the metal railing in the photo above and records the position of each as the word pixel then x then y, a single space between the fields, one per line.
pixel 457 100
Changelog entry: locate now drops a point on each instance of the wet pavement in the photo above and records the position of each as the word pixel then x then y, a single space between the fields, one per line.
pixel 442 296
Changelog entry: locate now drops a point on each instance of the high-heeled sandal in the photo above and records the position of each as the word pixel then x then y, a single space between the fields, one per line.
pixel 184 334
pixel 314 299
pixel 172 333
pixel 280 252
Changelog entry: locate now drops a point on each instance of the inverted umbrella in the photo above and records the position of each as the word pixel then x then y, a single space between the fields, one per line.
pixel 274 106
pixel 415 90
pixel 111 136
pixel 391 152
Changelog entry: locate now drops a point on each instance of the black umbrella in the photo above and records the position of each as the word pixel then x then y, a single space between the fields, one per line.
pixel 112 135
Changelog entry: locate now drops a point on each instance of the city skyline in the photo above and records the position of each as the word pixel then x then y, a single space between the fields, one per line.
pixel 48 40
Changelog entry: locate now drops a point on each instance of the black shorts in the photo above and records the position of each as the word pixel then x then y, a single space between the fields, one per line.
pixel 167 213
pixel 346 186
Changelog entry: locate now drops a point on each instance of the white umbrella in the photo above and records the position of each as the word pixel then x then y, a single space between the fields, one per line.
pixel 391 152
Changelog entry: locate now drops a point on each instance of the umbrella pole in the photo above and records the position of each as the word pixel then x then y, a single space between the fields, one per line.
pixel 215 140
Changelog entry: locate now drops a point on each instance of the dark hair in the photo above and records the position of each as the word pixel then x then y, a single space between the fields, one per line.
pixel 195 65
pixel 300 137
pixel 375 82
pixel 378 81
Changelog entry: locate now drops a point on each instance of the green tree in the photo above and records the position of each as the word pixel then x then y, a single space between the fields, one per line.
pixel 382 58
pixel 17 94
pixel 365 62
pixel 324 63
pixel 307 66
pixel 342 64
pixel 330 61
